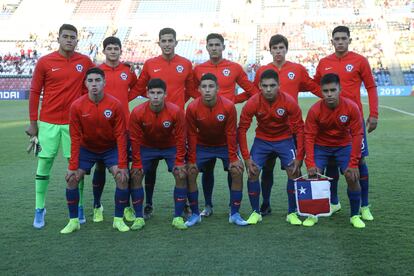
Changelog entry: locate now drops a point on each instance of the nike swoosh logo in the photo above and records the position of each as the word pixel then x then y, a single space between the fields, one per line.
pixel 328 68
pixel 55 69
pixel 156 70
pixel 85 115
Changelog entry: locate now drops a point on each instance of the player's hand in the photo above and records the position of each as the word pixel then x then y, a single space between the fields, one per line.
pixel 295 167
pixel 123 174
pixel 32 129
pixel 72 173
pixel 135 172
pixel 180 171
pixel 237 165
pixel 372 124
pixel 252 168
pixel 352 173
pixel 313 172
pixel 192 168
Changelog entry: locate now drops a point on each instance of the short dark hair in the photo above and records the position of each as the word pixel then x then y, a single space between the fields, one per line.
pixel 112 40
pixel 165 31
pixel 341 29
pixel 269 74
pixel 330 78
pixel 209 76
pixel 95 70
pixel 68 27
pixel 157 83
pixel 215 35
pixel 278 38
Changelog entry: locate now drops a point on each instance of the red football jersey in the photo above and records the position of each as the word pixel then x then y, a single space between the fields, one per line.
pixel 157 130
pixel 97 127
pixel 334 128
pixel 352 69
pixel 177 73
pixel 119 82
pixel 273 121
pixel 212 126
pixel 228 74
pixel 61 81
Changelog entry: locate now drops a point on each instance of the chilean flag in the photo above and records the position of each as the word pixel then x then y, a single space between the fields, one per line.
pixel 313 197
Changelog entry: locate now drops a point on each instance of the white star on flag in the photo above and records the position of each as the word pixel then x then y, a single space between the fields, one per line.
pixel 302 190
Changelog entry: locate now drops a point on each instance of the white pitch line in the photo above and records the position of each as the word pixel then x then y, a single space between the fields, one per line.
pixel 394 109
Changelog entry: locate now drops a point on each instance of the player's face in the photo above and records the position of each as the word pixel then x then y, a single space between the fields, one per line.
pixel 167 44
pixel 215 48
pixel 112 52
pixel 156 96
pixel 68 40
pixel 278 52
pixel 95 84
pixel 208 90
pixel 341 41
pixel 269 88
pixel 330 92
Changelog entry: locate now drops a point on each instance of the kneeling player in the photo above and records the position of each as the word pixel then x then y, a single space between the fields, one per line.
pixel 275 112
pixel 333 129
pixel 211 122
pixel 98 134
pixel 157 131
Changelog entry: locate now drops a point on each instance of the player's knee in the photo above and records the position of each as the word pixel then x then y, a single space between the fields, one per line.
pixel 136 181
pixel 72 182
pixel 120 182
pixel 236 173
pixel 179 182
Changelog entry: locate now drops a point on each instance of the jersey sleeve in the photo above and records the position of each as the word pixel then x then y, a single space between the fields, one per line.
pixel 297 124
pixel 132 93
pixel 136 136
pixel 191 134
pixel 231 134
pixel 308 84
pixel 244 124
pixel 357 133
pixel 120 134
pixel 180 135
pixel 369 83
pixel 36 88
pixel 75 131
pixel 311 130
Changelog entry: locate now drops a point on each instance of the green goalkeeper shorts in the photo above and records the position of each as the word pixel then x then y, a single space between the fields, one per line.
pixel 50 137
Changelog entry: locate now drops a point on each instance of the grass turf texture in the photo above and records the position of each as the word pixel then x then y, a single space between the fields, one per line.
pixel 214 247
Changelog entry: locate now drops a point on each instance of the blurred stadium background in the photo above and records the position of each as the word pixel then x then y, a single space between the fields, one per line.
pixel 381 30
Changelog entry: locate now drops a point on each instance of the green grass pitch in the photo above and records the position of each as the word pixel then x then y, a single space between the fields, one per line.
pixel 384 247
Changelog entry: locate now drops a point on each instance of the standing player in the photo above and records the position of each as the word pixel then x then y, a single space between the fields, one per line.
pixel 293 79
pixel 352 69
pixel 119 81
pixel 59 77
pixel 177 73
pixel 333 129
pixel 157 131
pixel 98 134
pixel 211 122
pixel 278 118
pixel 228 74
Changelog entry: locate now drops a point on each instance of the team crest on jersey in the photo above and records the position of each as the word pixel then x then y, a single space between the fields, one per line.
pixel 226 72
pixel 349 67
pixel 343 118
pixel 221 117
pixel 280 111
pixel 79 67
pixel 108 113
pixel 123 76
pixel 179 68
pixel 291 75
pixel 166 124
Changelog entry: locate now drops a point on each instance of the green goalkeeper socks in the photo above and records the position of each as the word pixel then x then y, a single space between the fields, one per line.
pixel 44 165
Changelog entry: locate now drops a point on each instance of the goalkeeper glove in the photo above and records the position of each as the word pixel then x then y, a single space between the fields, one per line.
pixel 34 146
